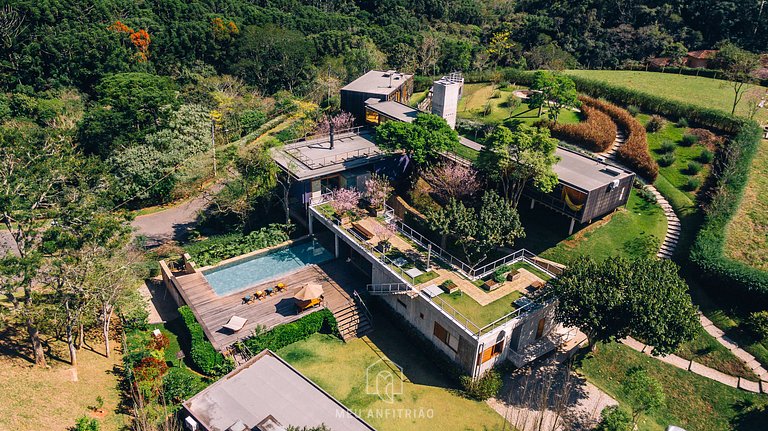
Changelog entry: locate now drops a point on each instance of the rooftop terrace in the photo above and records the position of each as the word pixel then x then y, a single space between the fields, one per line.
pixel 312 158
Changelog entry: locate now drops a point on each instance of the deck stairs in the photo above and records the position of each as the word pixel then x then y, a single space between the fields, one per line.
pixel 353 318
pixel 392 289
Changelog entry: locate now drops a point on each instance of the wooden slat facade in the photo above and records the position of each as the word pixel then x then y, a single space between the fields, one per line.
pixel 213 311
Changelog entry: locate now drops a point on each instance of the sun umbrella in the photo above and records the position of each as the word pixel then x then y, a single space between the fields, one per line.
pixel 309 291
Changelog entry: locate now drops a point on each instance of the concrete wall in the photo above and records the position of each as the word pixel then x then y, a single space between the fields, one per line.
pixel 445 100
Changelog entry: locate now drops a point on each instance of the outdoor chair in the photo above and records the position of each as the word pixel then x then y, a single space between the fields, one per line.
pixel 235 323
pixel 280 287
pixel 247 299
pixel 259 295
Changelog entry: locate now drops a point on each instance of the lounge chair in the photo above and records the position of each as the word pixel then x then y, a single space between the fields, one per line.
pixel 235 323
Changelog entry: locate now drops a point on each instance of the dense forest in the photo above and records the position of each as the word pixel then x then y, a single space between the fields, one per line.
pixel 134 85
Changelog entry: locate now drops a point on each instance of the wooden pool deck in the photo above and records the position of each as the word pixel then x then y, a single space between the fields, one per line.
pixel 213 311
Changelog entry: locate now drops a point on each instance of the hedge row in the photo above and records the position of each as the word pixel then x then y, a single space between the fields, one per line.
pixel 707 251
pixel 202 353
pixel 597 133
pixel 283 335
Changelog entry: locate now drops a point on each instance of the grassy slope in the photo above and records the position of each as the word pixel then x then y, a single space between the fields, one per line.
pixel 693 402
pixel 623 235
pixel 747 234
pixel 706 92
pixel 340 369
pixel 47 399
pixel 476 95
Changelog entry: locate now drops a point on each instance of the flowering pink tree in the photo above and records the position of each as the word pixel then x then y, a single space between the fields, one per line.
pixel 384 232
pixel 341 121
pixel 344 200
pixel 377 190
pixel 452 180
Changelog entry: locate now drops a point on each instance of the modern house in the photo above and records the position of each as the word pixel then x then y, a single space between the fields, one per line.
pixel 694 59
pixel 267 394
pixel 588 187
pixel 379 85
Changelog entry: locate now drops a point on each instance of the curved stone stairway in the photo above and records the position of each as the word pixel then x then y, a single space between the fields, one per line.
pixel 668 245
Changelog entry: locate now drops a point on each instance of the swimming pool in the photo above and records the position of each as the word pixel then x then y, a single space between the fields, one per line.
pixel 245 273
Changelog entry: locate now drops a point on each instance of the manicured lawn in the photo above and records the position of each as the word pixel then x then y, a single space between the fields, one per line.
pixel 481 315
pixel 692 401
pixel 705 350
pixel 465 152
pixel 747 234
pixel 427 396
pixel 35 398
pixel 676 173
pixel 476 96
pixel 634 231
pixel 706 92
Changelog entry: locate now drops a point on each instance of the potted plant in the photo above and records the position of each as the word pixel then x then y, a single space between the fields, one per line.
pixel 384 232
pixel 377 191
pixel 344 202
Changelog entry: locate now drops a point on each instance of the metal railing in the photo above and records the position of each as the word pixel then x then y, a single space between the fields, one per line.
pixel 388 288
pixel 424 242
pixel 357 298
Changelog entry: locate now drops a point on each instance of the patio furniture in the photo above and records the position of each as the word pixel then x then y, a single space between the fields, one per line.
pixel 414 272
pixel 280 287
pixel 432 290
pixel 235 323
pixel 368 235
pixel 269 291
pixel 311 295
pixel 247 299
pixel 259 294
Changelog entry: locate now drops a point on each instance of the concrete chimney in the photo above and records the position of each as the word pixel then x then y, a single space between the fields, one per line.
pixel 446 93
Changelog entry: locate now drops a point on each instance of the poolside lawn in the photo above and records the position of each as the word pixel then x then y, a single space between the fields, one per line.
pixel 692 402
pixel 427 399
pixel 477 96
pixel 705 92
pixel 631 232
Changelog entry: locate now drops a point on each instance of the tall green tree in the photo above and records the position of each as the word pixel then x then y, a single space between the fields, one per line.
pixel 737 65
pixel 37 168
pixel 422 140
pixel 616 298
pixel 556 91
pixel 512 158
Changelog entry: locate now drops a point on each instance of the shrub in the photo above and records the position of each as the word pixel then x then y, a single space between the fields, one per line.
pixel 667 146
pixel 688 140
pixel 633 110
pixel 218 248
pixel 283 335
pixel 597 133
pixel 512 103
pixel 666 160
pixel 693 168
pixel 682 122
pixel 486 386
pixel 655 124
pixel 613 418
pixel 757 324
pixel 692 184
pixel 706 156
pixel 646 195
pixel 84 423
pixel 179 385
pixel 202 353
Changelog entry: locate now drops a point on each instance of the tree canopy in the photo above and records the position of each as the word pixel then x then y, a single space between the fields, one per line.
pixel 422 140
pixel 616 298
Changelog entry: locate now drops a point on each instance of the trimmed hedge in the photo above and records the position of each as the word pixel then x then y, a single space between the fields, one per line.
pixel 708 249
pixel 203 355
pixel 283 335
pixel 597 133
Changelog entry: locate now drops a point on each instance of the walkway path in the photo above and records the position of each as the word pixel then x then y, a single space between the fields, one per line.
pixel 745 356
pixel 704 371
pixel 672 235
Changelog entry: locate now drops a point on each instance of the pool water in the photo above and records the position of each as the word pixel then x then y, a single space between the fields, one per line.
pixel 248 272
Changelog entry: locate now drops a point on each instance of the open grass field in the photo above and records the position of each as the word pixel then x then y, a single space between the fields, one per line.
pixel 427 400
pixel 692 402
pixel 485 103
pixel 634 231
pixel 48 399
pixel 706 92
pixel 747 233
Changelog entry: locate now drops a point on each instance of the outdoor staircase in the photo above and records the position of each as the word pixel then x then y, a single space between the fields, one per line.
pixel 353 319
pixel 668 245
pixel 392 289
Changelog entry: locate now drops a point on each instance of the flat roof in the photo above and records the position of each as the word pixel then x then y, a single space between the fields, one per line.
pixel 395 110
pixel 315 157
pixel 585 172
pixel 378 82
pixel 267 386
